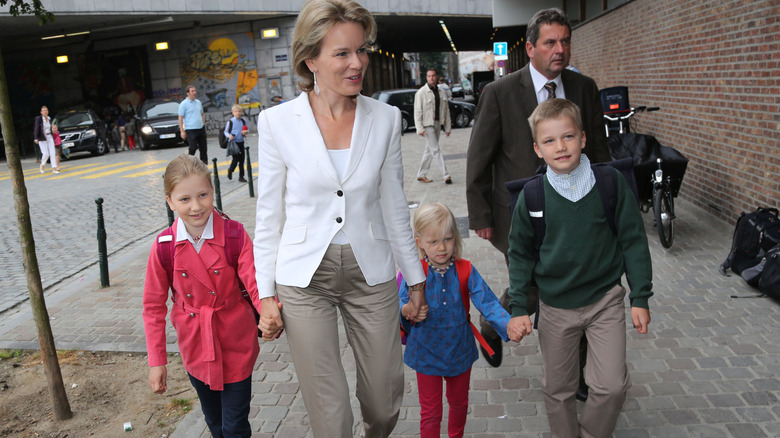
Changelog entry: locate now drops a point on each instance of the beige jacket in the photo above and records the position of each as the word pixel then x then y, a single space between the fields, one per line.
pixel 424 107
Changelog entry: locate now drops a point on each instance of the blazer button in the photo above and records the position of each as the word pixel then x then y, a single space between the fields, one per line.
pixel 192 315
pixel 213 293
pixel 184 274
pixel 340 193
pixel 339 220
pixel 216 271
pixel 189 295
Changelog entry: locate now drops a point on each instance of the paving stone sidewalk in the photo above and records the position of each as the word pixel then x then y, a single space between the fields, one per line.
pixel 708 368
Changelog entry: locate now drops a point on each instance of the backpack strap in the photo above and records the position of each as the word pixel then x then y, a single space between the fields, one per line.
pixel 534 202
pixel 463 269
pixel 166 249
pixel 606 183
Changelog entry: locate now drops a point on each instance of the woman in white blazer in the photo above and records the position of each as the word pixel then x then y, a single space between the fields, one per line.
pixel 333 223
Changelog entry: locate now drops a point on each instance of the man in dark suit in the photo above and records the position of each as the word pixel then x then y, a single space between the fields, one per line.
pixel 501 145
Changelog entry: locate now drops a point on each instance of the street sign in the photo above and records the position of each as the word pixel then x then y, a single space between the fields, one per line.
pixel 500 49
pixel 501 63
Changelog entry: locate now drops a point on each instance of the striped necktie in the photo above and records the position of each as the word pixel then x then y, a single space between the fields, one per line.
pixel 550 87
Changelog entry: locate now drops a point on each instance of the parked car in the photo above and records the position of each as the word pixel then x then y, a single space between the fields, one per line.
pixel 158 123
pixel 81 130
pixel 461 113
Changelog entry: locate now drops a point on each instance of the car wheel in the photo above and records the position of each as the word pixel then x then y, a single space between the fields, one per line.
pixel 462 120
pixel 141 143
pixel 404 124
pixel 100 147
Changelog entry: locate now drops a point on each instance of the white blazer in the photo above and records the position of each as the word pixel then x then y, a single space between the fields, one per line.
pixel 302 204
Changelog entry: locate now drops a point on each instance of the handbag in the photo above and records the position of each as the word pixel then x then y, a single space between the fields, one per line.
pixel 232 148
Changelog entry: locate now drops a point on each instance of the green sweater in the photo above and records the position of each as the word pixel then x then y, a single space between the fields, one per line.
pixel 580 258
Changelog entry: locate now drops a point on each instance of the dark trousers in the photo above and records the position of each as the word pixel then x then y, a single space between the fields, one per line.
pixel 238 160
pixel 226 412
pixel 197 141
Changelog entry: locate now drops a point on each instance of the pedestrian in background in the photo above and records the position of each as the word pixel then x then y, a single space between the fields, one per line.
pixel 441 347
pixel 43 138
pixel 215 328
pixel 235 129
pixel 333 224
pixel 192 124
pixel 445 87
pixel 431 111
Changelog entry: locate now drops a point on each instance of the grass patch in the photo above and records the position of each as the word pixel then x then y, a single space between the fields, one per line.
pixel 182 404
pixel 9 354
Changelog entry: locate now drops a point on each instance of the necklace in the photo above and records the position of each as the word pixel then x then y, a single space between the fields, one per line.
pixel 443 270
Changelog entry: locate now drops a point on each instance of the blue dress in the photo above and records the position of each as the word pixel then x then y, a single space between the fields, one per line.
pixel 443 344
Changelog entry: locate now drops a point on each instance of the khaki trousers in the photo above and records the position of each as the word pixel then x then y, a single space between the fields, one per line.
pixel 432 152
pixel 370 317
pixel 560 330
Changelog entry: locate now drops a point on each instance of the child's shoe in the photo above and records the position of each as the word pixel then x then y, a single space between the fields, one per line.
pixel 41 168
pixel 241 179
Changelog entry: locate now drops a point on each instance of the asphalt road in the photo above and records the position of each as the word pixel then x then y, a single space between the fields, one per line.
pixel 63 211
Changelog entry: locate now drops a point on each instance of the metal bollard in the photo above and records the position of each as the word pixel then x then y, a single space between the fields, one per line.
pixel 168 209
pixel 217 191
pixel 249 180
pixel 102 251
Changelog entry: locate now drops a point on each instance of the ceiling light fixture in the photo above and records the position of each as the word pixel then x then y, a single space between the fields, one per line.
pixel 447 34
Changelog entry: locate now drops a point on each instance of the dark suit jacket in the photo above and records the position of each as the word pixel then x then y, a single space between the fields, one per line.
pixel 38 133
pixel 501 146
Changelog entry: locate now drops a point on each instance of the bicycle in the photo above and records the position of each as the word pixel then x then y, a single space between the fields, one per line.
pixel 657 188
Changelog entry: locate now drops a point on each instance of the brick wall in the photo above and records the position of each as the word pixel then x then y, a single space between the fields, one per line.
pixel 714 69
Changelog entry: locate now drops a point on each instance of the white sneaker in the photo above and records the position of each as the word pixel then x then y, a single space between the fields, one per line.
pixel 55 172
pixel 41 168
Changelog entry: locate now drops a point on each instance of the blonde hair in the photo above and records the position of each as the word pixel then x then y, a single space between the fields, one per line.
pixel 315 20
pixel 552 109
pixel 237 106
pixel 181 167
pixel 437 218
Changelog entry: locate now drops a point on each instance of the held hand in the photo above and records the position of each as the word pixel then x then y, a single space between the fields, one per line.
pixel 422 314
pixel 270 319
pixel 417 298
pixel 519 327
pixel 158 379
pixel 641 318
pixel 485 233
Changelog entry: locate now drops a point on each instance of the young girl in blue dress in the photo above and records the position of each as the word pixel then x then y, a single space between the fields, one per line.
pixel 441 347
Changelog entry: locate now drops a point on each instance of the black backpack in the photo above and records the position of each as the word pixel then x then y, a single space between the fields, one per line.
pixel 606 182
pixel 769 283
pixel 223 140
pixel 754 235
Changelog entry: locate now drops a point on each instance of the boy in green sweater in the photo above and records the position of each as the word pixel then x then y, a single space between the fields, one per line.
pixel 578 271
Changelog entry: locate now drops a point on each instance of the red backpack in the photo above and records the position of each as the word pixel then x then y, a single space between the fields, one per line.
pixel 463 267
pixel 234 239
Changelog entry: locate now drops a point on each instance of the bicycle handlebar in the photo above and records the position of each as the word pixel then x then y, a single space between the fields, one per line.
pixel 631 113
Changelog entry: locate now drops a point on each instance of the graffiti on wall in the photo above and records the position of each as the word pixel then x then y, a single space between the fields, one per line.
pixel 224 70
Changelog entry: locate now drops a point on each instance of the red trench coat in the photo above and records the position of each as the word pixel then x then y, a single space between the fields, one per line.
pixel 214 325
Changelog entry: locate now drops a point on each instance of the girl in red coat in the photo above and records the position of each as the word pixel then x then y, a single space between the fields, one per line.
pixel 214 325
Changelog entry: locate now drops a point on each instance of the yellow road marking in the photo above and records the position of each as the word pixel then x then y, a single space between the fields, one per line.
pixel 124 169
pixel 72 174
pixel 34 171
pixel 161 170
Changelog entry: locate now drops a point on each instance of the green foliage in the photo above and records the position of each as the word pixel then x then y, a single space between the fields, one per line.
pixel 8 354
pixel 435 60
pixel 184 404
pixel 22 7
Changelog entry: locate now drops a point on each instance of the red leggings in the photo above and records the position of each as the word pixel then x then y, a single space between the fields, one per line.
pixel 430 389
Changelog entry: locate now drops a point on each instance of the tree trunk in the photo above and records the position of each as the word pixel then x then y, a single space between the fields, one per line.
pixel 61 407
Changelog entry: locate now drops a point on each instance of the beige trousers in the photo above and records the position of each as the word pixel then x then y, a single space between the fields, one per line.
pixel 370 315
pixel 560 330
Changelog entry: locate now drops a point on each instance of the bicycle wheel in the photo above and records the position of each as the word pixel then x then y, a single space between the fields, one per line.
pixel 664 216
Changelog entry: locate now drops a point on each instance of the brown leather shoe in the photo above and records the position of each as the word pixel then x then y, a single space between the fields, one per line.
pixel 424 179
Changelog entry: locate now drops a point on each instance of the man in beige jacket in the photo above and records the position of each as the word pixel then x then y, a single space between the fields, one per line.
pixel 431 110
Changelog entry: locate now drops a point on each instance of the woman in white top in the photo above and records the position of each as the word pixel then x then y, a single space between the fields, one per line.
pixel 333 223
pixel 44 140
